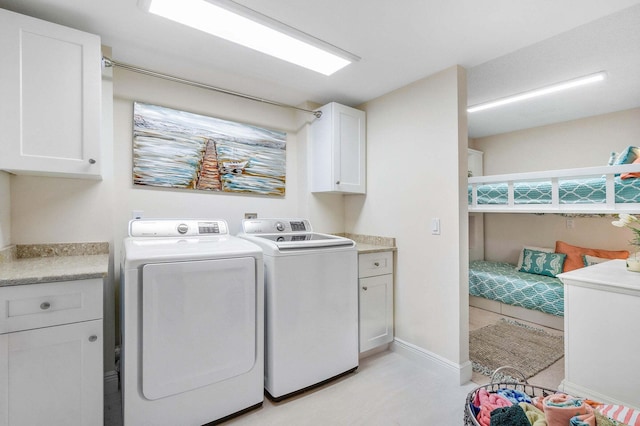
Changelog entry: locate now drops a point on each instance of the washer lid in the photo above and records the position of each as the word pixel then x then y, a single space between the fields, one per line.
pixel 278 235
pixel 303 240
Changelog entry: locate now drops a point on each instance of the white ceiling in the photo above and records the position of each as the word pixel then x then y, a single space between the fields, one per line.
pixel 506 46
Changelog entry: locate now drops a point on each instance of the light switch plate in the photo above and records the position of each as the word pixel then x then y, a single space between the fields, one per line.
pixel 435 226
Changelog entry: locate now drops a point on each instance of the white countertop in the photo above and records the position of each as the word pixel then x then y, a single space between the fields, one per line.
pixel 611 275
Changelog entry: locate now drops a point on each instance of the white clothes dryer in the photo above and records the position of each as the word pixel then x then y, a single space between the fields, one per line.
pixel 192 323
pixel 311 294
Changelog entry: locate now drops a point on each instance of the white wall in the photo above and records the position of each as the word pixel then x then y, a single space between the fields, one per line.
pixel 5 210
pixel 579 143
pixel 416 140
pixel 159 202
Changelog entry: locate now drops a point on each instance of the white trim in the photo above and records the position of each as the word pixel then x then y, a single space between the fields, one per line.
pixel 461 372
pixel 110 382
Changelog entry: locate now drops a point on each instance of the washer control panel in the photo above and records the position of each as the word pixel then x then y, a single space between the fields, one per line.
pixel 275 226
pixel 177 227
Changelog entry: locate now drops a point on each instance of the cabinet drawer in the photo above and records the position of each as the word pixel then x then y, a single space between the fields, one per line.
pixel 371 264
pixel 32 306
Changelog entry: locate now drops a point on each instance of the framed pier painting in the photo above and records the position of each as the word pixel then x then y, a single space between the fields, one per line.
pixel 178 149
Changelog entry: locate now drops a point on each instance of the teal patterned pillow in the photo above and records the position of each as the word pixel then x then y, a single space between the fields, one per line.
pixel 627 156
pixel 541 263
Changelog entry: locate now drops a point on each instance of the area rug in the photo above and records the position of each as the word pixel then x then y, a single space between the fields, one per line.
pixel 527 349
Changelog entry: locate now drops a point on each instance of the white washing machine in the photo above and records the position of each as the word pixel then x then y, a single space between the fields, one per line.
pixel 311 297
pixel 192 322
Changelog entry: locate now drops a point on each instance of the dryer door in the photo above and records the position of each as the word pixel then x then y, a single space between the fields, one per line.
pixel 198 323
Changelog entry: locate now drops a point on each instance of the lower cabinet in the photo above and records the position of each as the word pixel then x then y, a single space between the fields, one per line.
pixel 375 299
pixel 52 374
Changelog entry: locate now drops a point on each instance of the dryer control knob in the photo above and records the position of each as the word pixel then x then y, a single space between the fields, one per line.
pixel 183 228
pixel 280 226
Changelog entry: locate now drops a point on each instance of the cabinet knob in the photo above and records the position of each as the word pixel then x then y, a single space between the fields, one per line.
pixel 93 338
pixel 364 288
pixel 45 305
pixel 92 161
pixel 376 263
pixel 337 182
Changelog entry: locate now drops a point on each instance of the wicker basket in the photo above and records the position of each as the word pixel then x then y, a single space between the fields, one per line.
pixel 496 383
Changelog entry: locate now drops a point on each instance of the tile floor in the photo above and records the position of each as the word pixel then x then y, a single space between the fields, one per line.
pixel 387 389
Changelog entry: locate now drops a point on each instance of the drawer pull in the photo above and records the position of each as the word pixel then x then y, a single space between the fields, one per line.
pixel 364 288
pixel 93 338
pixel 376 263
pixel 45 305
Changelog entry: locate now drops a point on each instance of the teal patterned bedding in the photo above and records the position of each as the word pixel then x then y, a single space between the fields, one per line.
pixel 501 282
pixel 571 191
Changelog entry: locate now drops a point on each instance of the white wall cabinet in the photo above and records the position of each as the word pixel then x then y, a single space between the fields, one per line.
pixel 50 81
pixel 474 160
pixel 337 153
pixel 51 366
pixel 375 273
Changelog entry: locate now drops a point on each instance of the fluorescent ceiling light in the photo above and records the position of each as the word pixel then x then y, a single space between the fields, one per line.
pixel 236 23
pixel 580 81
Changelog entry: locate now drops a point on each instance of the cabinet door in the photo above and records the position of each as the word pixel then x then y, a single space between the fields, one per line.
pixel 50 81
pixel 337 151
pixel 376 311
pixel 474 159
pixel 52 376
pixel 349 149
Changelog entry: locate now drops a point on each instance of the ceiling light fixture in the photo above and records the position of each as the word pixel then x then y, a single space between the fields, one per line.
pixel 580 81
pixel 239 24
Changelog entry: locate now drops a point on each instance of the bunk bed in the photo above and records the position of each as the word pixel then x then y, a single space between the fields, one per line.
pixel 502 287
pixel 599 190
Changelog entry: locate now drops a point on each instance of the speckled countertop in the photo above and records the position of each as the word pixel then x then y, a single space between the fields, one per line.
pixel 40 263
pixel 372 244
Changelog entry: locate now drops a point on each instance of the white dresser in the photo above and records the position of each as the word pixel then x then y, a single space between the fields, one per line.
pixel 602 325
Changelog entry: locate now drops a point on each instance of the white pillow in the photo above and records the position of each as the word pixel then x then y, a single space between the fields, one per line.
pixel 544 249
pixel 592 260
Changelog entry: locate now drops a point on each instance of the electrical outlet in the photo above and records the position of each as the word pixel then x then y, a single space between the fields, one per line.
pixel 251 215
pixel 570 224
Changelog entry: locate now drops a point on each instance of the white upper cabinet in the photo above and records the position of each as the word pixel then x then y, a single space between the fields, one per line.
pixel 475 162
pixel 337 151
pixel 50 88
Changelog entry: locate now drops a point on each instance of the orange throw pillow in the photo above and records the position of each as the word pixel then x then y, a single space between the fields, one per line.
pixel 631 174
pixel 574 255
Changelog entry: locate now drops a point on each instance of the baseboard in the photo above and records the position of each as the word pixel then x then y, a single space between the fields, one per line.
pixel 459 372
pixel 583 392
pixel 374 351
pixel 110 382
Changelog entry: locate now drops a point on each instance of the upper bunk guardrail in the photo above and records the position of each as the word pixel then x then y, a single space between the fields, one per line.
pixel 554 177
